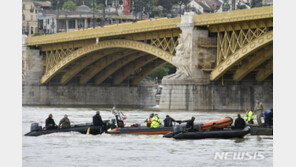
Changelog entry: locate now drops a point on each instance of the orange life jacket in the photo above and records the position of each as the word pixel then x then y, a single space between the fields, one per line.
pixel 149 123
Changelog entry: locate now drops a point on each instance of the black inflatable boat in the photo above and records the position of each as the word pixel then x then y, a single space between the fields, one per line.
pixel 221 134
pixel 81 128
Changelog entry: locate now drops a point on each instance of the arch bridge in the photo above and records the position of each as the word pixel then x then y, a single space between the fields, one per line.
pixel 126 53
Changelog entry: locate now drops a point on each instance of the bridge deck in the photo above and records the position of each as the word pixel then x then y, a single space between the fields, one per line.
pixel 152 25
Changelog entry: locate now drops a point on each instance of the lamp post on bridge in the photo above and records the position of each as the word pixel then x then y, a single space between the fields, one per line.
pixel 58 4
pixel 93 14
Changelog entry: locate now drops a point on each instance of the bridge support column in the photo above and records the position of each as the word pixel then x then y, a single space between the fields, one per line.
pixel 67 25
pixel 85 24
pixel 190 56
pixel 76 24
pixel 190 88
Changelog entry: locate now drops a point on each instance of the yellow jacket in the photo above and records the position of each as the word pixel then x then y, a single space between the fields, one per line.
pixel 249 116
pixel 155 122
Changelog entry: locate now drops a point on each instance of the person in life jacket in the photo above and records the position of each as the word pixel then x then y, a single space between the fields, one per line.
pixel 168 121
pixel 148 121
pixel 249 118
pixel 155 121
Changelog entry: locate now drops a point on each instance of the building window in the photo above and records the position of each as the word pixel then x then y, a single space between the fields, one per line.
pixel 31 17
pixel 24 6
pixel 32 9
pixel 24 17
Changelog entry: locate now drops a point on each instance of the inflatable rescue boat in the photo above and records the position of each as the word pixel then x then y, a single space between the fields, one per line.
pixel 220 134
pixel 142 130
pixel 36 130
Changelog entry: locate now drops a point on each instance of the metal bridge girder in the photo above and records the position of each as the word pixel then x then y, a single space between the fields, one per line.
pixel 103 75
pixel 97 67
pixel 265 72
pixel 82 64
pixel 240 54
pixel 146 70
pixel 123 73
pixel 259 58
pixel 127 44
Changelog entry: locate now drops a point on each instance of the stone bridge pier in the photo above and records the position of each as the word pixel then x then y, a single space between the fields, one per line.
pixel 190 87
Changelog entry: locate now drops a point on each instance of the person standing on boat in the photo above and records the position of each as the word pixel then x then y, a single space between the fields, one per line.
pixel 168 121
pixel 155 121
pixel 249 118
pixel 97 119
pixel 65 122
pixel 259 109
pixel 268 118
pixel 49 123
pixel 239 123
pixel 148 124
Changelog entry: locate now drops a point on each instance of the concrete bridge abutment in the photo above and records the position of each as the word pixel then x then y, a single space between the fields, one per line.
pixel 190 87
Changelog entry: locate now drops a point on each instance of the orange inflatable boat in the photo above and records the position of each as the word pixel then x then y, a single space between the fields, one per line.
pixel 222 123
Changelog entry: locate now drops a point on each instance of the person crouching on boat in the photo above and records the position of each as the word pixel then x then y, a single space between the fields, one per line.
pixel 155 121
pixel 168 121
pixel 49 123
pixel 239 123
pixel 190 124
pixel 249 118
pixel 65 122
pixel 148 121
pixel 97 119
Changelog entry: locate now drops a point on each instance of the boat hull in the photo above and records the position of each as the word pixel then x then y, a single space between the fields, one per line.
pixel 222 134
pixel 81 129
pixel 141 130
pixel 258 130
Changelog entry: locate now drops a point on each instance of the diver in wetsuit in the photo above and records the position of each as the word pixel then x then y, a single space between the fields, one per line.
pixel 97 119
pixel 239 123
pixel 49 123
pixel 190 124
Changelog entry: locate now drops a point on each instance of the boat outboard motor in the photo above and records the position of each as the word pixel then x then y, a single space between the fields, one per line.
pixel 35 127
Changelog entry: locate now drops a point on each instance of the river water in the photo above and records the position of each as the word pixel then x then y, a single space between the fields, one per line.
pixel 78 150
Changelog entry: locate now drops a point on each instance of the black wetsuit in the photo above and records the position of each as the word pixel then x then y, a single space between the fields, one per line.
pixel 190 124
pixel 269 119
pixel 239 123
pixel 97 120
pixel 50 124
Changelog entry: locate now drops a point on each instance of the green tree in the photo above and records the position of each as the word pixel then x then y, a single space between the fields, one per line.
pixel 100 6
pixel 69 5
pixel 162 71
pixel 181 3
pixel 256 3
pixel 225 5
pixel 241 7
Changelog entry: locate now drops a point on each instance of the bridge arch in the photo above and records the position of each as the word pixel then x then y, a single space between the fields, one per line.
pixel 108 44
pixel 241 54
